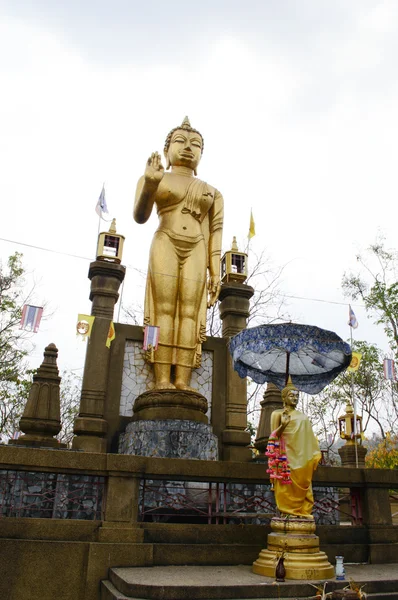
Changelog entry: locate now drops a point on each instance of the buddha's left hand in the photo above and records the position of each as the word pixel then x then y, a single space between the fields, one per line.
pixel 214 290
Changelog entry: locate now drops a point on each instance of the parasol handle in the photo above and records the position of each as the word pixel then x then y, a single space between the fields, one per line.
pixel 287 367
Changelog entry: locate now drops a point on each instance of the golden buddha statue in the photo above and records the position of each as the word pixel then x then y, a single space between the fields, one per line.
pixel 294 454
pixel 185 248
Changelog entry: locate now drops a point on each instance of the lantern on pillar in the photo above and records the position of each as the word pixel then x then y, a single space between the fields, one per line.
pixel 110 245
pixel 346 425
pixel 234 265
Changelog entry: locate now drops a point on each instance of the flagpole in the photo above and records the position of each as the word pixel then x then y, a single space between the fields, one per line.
pixel 354 404
pixel 120 301
pixel 99 225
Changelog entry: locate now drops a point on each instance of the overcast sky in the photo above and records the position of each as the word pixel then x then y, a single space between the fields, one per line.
pixel 297 103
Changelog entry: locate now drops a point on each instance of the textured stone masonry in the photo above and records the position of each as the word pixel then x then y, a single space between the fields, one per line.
pixel 138 377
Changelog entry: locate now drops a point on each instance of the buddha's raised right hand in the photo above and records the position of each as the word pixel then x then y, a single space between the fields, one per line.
pixel 154 170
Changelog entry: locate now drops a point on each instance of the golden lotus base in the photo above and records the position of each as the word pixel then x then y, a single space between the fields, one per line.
pixel 170 404
pixel 302 557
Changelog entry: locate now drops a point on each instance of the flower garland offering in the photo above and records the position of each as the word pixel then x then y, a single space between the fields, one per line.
pixel 278 465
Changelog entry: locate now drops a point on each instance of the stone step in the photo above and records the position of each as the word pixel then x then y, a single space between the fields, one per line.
pixel 234 583
pixel 109 592
pixel 205 554
pixel 383 596
pixel 203 534
pixel 383 553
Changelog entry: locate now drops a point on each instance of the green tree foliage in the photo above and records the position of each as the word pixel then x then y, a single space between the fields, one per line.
pixel 385 454
pixel 375 402
pixel 70 390
pixel 376 286
pixel 14 375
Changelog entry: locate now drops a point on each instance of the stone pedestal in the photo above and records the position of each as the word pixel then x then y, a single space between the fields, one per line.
pixel 172 438
pixel 90 427
pixel 348 456
pixel 170 404
pixel 296 539
pixel 41 418
pixel 234 311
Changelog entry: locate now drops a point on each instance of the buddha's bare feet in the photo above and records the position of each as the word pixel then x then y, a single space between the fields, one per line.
pixel 181 385
pixel 164 385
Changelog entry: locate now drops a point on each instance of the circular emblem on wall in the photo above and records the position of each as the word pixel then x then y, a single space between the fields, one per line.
pixel 83 327
pixel 354 362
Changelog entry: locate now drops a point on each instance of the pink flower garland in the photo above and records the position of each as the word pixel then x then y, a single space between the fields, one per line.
pixel 278 465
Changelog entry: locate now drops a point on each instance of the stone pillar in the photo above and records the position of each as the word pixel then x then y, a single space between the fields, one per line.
pixel 234 311
pixel 90 426
pixel 41 418
pixel 271 401
pixel 376 502
pixel 348 457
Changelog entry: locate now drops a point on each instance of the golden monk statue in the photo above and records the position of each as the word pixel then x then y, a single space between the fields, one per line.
pixel 294 454
pixel 185 248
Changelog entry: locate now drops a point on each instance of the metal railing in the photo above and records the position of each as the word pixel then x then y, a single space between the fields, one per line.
pixel 237 503
pixel 51 495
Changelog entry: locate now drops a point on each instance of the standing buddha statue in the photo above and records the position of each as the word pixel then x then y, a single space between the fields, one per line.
pixel 184 261
pixel 293 455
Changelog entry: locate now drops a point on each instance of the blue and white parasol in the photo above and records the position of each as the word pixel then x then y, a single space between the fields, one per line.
pixel 313 357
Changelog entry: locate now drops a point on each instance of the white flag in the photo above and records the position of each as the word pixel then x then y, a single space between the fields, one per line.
pixel 352 320
pixel 101 206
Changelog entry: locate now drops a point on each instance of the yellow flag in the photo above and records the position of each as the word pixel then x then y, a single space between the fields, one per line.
pixel 252 228
pixel 111 335
pixel 84 325
pixel 355 362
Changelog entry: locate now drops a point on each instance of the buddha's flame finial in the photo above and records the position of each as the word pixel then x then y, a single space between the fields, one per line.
pixel 289 386
pixel 186 124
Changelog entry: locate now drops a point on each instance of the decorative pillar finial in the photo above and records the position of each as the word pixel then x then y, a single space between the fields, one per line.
pixel 41 419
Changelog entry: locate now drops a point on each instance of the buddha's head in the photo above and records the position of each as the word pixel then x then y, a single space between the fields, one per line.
pixel 290 394
pixel 183 146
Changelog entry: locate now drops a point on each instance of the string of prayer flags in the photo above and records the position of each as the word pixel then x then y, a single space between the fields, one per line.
pixel 31 317
pixel 389 369
pixel 111 335
pixel 151 337
pixel 355 362
pixel 84 325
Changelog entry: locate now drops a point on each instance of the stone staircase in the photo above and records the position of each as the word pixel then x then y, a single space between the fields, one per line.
pixel 186 561
pixel 224 582
pixel 185 544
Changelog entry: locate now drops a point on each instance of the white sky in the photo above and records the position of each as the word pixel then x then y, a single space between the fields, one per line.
pixel 296 100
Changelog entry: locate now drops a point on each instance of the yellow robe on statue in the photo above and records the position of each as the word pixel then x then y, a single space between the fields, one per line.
pixel 303 455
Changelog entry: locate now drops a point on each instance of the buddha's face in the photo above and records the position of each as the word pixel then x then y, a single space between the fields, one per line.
pixel 291 398
pixel 185 149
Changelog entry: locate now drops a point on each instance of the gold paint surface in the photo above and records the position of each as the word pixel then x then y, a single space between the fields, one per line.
pixel 184 261
pixel 293 428
pixel 302 557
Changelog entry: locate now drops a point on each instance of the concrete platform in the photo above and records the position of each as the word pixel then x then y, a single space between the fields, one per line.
pixel 236 582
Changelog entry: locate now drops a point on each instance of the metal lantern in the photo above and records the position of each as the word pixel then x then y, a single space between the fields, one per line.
pixel 234 265
pixel 346 425
pixel 110 245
